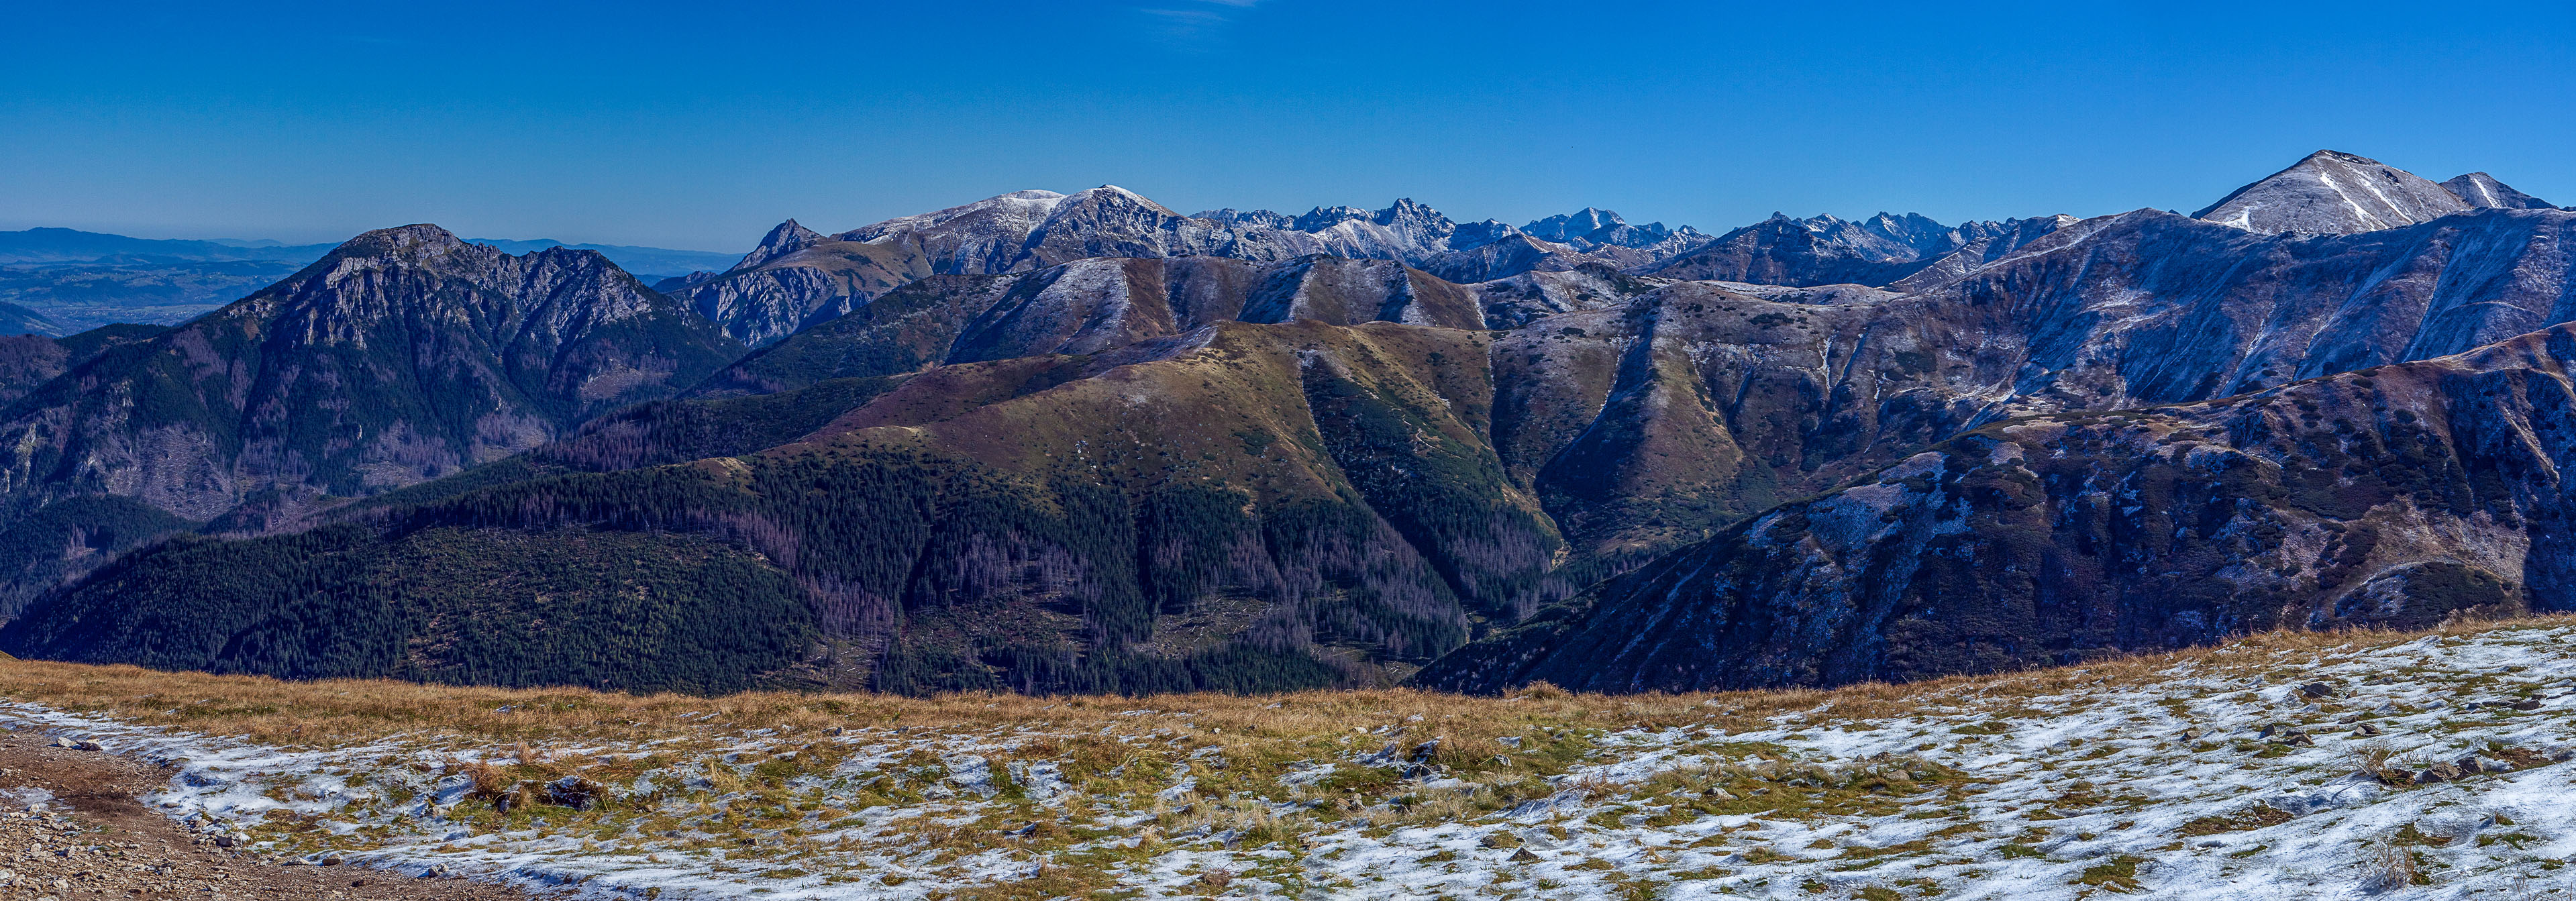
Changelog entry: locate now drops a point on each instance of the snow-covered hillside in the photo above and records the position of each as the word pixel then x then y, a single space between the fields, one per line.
pixel 2288 766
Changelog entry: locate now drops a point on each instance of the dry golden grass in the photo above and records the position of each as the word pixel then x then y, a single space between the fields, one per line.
pixel 519 722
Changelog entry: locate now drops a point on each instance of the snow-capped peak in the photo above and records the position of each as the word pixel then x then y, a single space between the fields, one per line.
pixel 2331 192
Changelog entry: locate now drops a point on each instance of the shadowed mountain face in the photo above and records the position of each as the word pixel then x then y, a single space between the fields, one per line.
pixel 1080 443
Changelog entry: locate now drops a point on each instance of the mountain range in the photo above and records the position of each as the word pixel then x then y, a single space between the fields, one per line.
pixel 1080 442
pixel 68 281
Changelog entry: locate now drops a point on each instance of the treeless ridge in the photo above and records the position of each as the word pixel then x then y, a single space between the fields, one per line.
pixel 331 713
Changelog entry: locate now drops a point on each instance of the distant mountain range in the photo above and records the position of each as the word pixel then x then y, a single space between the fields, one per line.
pixel 1079 442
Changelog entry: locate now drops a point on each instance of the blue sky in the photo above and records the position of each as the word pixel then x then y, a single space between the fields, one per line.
pixel 699 126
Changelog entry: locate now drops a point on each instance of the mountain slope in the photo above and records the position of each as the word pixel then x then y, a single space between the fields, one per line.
pixel 18 320
pixel 2396 496
pixel 2333 193
pixel 1111 481
pixel 1016 523
pixel 402 355
pixel 1092 305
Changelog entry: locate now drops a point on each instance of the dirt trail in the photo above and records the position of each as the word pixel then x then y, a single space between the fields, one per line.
pixel 94 839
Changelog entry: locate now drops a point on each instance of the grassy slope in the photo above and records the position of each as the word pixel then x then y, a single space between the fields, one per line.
pixel 2148 773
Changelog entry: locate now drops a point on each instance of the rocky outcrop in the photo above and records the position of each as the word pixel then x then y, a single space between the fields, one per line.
pixel 789 237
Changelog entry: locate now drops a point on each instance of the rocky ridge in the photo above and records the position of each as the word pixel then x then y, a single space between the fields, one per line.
pixel 797 276
pixel 1826 250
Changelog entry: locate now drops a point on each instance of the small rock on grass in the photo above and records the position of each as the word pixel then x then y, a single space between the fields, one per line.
pixel 2439 772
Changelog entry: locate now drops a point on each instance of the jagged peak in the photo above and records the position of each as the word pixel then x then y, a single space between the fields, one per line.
pixel 789 237
pixel 1406 208
pixel 1324 217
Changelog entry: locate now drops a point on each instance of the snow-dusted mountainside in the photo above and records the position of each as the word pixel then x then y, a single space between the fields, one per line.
pixel 1093 305
pixel 2334 193
pixel 1592 228
pixel 2481 190
pixel 2292 767
pixel 1826 250
pixel 797 276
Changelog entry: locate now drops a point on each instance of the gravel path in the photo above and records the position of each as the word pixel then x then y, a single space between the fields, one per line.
pixel 71 828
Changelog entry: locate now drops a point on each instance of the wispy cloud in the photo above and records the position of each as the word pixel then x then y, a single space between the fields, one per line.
pixel 1196 25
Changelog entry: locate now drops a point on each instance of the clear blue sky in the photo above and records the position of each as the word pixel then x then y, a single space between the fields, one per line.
pixel 701 126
